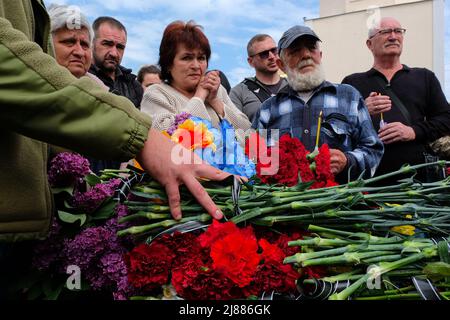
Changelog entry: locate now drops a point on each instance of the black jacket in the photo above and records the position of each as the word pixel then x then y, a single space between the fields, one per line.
pixel 125 84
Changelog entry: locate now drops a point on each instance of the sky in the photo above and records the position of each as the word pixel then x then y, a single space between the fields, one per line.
pixel 228 24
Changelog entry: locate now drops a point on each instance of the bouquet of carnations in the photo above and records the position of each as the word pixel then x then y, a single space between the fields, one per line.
pixel 220 263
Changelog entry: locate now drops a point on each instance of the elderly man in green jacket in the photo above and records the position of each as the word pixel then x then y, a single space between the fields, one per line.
pixel 42 102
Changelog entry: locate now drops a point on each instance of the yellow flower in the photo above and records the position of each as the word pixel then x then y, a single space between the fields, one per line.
pixel 405 230
pixel 192 136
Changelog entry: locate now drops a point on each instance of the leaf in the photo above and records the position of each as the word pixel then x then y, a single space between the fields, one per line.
pixel 52 289
pixel 105 211
pixel 35 292
pixel 71 218
pixel 148 196
pixel 68 190
pixel 437 270
pixel 92 179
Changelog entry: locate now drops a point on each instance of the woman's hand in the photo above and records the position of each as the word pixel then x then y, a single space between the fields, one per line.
pixel 163 163
pixel 211 82
pixel 201 92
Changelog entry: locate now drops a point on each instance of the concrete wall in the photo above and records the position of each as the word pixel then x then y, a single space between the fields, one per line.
pixel 334 7
pixel 344 35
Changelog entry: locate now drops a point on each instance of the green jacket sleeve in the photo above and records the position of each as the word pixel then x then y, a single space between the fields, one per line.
pixel 42 100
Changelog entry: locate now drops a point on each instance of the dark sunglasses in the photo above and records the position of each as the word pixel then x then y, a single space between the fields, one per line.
pixel 265 54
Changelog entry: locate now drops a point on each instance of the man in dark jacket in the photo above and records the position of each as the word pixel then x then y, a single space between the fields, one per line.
pixel 407 105
pixel 110 39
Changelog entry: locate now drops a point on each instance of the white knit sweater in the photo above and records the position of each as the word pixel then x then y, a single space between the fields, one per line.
pixel 162 102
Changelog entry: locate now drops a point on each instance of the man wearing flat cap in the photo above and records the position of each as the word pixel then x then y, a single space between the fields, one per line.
pixel 355 148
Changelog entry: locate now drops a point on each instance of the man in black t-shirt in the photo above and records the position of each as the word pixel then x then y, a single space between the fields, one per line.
pixel 407 105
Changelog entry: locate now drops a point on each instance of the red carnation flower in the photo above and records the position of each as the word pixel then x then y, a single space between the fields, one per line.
pixel 215 231
pixel 149 265
pixel 236 256
pixel 183 245
pixel 324 177
pixel 272 274
pixel 270 252
pixel 198 281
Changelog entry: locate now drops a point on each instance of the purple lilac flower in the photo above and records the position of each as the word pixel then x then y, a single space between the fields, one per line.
pixel 112 274
pixel 48 252
pixel 113 224
pixel 179 119
pixel 99 254
pixel 67 169
pixel 93 198
pixel 88 245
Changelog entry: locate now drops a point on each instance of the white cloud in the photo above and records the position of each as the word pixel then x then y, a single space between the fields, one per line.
pixel 228 24
pixel 215 57
pixel 238 74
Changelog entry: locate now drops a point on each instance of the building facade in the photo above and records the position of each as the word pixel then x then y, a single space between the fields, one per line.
pixel 343 26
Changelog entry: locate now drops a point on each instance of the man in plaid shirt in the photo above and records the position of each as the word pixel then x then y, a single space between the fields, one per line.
pixel 355 148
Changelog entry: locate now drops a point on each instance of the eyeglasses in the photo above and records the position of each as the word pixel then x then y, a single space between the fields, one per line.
pixel 398 31
pixel 265 54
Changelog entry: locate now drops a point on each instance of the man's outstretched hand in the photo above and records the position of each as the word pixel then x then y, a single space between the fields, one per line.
pixel 159 160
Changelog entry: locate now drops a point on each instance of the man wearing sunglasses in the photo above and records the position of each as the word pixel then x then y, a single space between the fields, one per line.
pixel 410 101
pixel 252 92
pixel 355 148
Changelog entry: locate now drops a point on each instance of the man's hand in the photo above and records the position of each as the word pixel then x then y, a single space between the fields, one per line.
pixel 156 159
pixel 396 132
pixel 377 103
pixel 338 161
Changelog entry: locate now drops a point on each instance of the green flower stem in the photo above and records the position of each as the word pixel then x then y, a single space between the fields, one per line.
pixel 150 190
pixel 149 206
pixel 332 213
pixel 402 170
pixel 346 258
pixel 164 224
pixel 146 215
pixel 353 275
pixel 301 196
pixel 386 258
pixel 322 242
pixel 400 290
pixel 251 205
pixel 404 273
pixel 307 206
pixel 300 257
pixel 318 229
pixel 383 268
pixel 319 242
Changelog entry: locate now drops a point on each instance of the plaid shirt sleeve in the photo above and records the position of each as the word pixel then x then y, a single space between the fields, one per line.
pixel 368 149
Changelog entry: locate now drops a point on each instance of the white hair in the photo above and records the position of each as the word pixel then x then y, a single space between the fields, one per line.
pixel 374 29
pixel 69 17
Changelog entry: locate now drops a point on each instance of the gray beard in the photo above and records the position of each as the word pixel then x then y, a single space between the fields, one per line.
pixel 305 82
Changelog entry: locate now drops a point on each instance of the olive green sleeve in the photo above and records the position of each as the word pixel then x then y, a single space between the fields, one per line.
pixel 42 100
